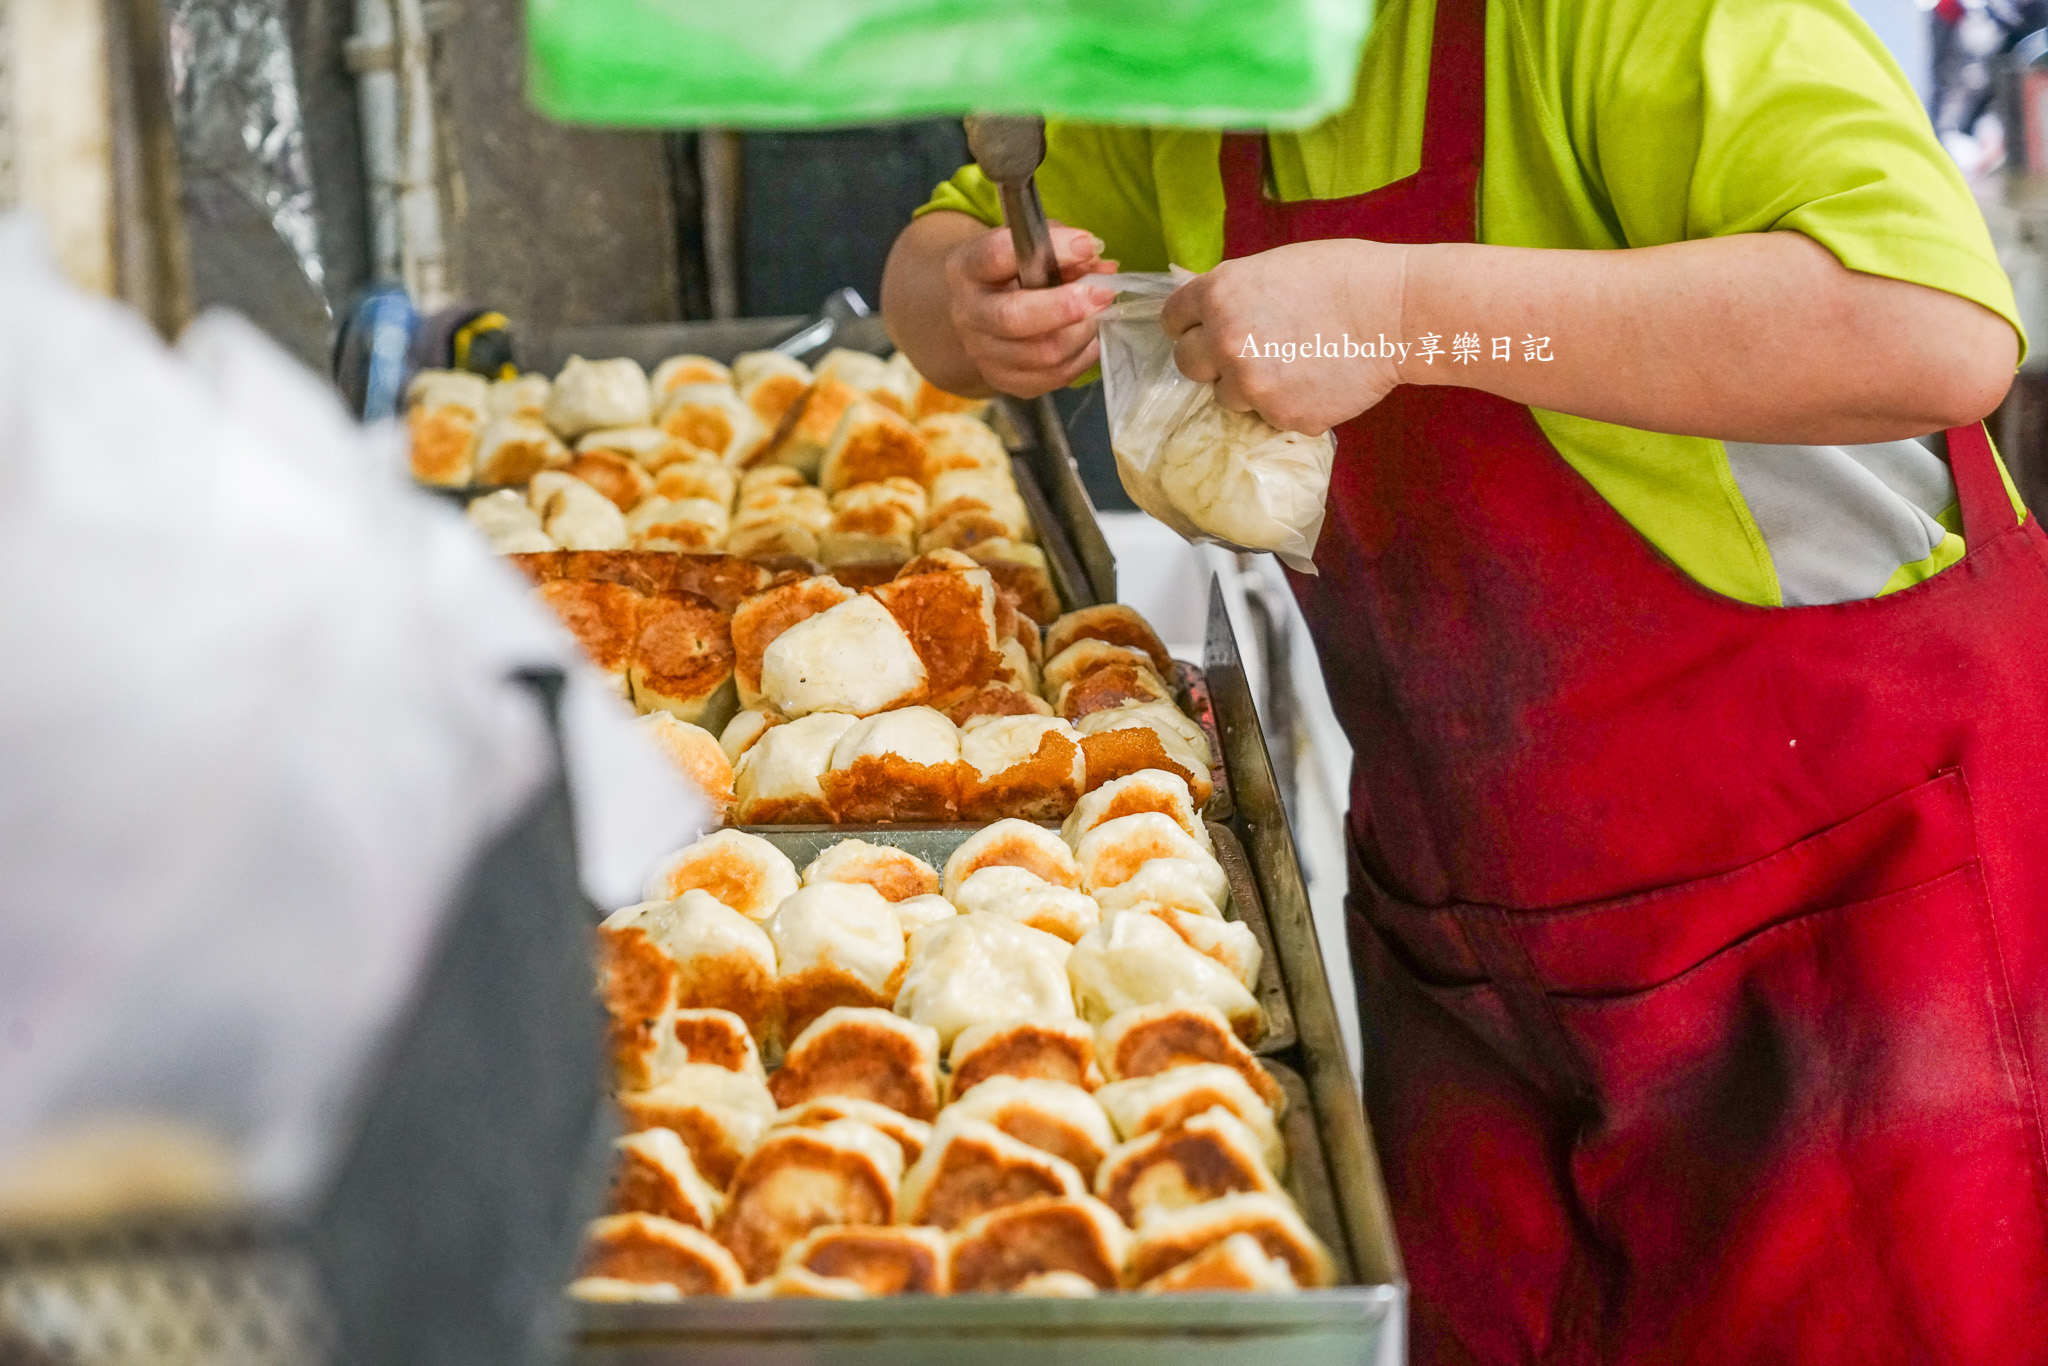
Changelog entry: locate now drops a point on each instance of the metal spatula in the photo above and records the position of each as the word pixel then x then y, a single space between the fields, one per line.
pixel 1009 150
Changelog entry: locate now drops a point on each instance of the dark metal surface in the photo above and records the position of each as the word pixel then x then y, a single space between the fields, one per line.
pixel 1052 461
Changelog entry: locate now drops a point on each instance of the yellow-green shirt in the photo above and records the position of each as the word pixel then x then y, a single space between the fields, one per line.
pixel 1628 123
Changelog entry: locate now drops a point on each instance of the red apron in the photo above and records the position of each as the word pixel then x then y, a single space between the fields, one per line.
pixel 1701 947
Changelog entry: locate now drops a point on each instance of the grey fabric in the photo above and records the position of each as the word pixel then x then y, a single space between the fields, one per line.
pixel 1840 520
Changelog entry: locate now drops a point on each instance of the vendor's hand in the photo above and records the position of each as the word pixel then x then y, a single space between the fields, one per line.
pixel 1289 295
pixel 1027 342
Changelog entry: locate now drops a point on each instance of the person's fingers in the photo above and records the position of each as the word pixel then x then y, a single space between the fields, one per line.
pixel 1048 351
pixel 1020 314
pixel 1029 381
pixel 1073 246
pixel 1185 307
pixel 1079 269
pixel 1231 396
pixel 991 259
pixel 1195 356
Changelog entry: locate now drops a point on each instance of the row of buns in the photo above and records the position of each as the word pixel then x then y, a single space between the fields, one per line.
pixel 1124 907
pixel 1047 1159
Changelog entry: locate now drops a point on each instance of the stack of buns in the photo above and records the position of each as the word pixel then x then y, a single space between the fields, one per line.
pixel 986 1134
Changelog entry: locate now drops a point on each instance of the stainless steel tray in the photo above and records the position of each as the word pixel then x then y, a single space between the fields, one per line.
pixel 1044 445
pixel 935 843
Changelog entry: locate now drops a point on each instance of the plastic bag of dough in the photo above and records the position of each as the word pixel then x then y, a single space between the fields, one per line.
pixel 1209 473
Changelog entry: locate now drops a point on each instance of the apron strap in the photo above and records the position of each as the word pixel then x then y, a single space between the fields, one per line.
pixel 1980 492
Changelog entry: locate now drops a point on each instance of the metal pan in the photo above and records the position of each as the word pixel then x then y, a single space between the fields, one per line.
pixel 1317 1328
pixel 936 843
pixel 1045 447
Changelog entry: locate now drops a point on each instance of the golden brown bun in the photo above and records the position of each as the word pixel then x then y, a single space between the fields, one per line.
pixel 604 618
pixel 896 873
pixel 1164 1100
pixel 1030 767
pixel 950 619
pixel 648 1249
pixel 1115 851
pixel 1210 1156
pixel 1170 1238
pixel 1152 789
pixel 871 443
pixel 1052 1049
pixel 1112 622
pixel 1107 686
pixel 719 1115
pixel 1136 959
pixel 1013 844
pixel 643 571
pixel 865 1054
pixel 1008 1246
pixel 1237 1264
pixel 1052 1116
pixel 900 1260
pixel 758 620
pixel 838 944
pixel 682 661
pixel 909 1135
pixel 1023 576
pixel 652 1174
pixel 966 970
pixel 617 477
pixel 1147 1040
pixel 1029 900
pixel 779 779
pixel 801 1179
pixel 1117 753
pixel 698 478
pixel 744 872
pixel 712 420
pixel 810 425
pixel 1084 657
pixel 695 952
pixel 900 765
pixel 697 756
pixel 677 371
pixel 717 1038
pixel 511 450
pixel 973 1167
pixel 444 442
pixel 724 581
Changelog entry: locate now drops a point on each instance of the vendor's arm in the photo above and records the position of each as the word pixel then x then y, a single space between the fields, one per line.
pixel 1760 336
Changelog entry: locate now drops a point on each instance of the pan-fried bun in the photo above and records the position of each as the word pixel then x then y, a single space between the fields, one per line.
pixel 1178 883
pixel 916 912
pixel 1212 1155
pixel 909 1135
pixel 954 441
pixel 694 952
pixel 771 383
pixel 838 944
pixel 745 728
pixel 604 618
pixel 1056 1285
pixel 676 371
pixel 1163 1100
pixel 1030 900
pixel 1051 1116
pixel 1052 1049
pixel 998 699
pixel 652 1173
pixel 1236 1264
pixel 1166 718
pixel 1149 789
pixel 973 969
pixel 871 443
pixel 1030 767
pixel 780 780
pixel 646 1249
pixel 1011 1245
pixel 1020 571
pixel 896 873
pixel 1228 943
pixel 696 754
pixel 743 871
pixel 1171 1237
pixel 1134 959
pixel 1113 852
pixel 898 1260
pixel 949 617
pixel 864 1053
pixel 972 1167
pixel 720 1115
pixel 696 479
pixel 800 1179
pixel 1014 844
pixel 682 660
pixel 1147 1040
pixel 1112 622
pixel 851 658
pixel 1109 686
pixel 718 1038
pixel 757 621
pixel 897 766
pixel 1085 656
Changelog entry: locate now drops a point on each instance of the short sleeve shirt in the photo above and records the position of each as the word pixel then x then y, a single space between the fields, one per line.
pixel 1631 123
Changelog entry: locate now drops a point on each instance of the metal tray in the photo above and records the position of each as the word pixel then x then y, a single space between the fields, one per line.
pixel 1191 692
pixel 935 844
pixel 1350 1324
pixel 1044 445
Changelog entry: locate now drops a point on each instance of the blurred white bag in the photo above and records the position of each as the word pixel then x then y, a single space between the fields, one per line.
pixel 1212 475
pixel 256 720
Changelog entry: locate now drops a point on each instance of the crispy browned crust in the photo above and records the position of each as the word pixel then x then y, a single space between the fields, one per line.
pixel 951 629
pixel 888 787
pixel 1135 800
pixel 1155 1253
pixel 1111 621
pixel 897 874
pixel 706 426
pixel 617 477
pixel 517 460
pixel 684 651
pixel 811 992
pixel 909 1136
pixel 997 699
pixel 1178 1167
pixel 787 569
pixel 1031 1238
pixel 644 1187
pixel 864 1061
pixel 973 1179
pixel 539 565
pixel 1014 849
pixel 1210 1271
pixel 1177 1038
pixel 785 811
pixel 883 520
pixel 964 530
pixel 1026 585
pixel 636 980
pixel 1048 1133
pixel 643 571
pixel 881 446
pixel 715 1037
pixel 773 397
pixel 734 982
pixel 1110 685
pixel 932 399
pixel 724 581
pixel 1041 788
pixel 810 421
pixel 443 443
pixel 636 1254
pixel 1130 749
pixel 1028 1050
pixel 712 1146
pixel 866 574
pixel 762 1219
pixel 604 618
pixel 883 1261
pixel 758 620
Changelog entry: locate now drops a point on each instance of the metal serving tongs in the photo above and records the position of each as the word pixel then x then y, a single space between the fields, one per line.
pixel 1009 150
